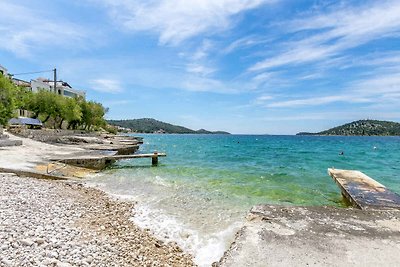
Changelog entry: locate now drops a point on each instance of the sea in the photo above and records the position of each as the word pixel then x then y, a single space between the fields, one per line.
pixel 199 195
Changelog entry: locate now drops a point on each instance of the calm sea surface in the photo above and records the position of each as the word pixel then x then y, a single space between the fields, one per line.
pixel 200 193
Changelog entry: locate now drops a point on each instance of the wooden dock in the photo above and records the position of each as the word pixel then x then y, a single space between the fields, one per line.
pixel 364 192
pixel 99 162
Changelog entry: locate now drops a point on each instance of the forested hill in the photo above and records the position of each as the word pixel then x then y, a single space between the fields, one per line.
pixel 147 125
pixel 363 127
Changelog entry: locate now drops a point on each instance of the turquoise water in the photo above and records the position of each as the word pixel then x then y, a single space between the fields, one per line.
pixel 200 193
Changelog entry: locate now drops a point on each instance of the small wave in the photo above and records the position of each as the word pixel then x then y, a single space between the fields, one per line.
pixel 205 248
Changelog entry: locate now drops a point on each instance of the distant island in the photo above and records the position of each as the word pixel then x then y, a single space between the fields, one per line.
pixel 148 125
pixel 363 127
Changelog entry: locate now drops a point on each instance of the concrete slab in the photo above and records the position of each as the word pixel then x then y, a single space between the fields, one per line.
pixel 317 236
pixel 99 162
pixel 364 192
pixel 9 142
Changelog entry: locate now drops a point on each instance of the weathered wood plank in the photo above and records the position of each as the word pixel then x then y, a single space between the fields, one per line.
pixel 362 191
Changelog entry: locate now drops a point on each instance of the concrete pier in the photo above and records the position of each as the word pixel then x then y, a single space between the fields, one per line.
pixel 99 162
pixel 364 192
pixel 316 236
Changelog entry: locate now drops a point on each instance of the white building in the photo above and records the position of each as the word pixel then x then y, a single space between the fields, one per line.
pixel 63 88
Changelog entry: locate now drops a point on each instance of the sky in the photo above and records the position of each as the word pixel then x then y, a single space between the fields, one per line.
pixel 243 66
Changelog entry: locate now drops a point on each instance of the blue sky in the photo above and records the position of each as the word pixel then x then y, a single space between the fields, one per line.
pixel 244 66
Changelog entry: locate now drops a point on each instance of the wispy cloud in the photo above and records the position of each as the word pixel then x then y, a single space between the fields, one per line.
pixel 199 62
pixel 106 86
pixel 24 31
pixel 203 84
pixel 244 42
pixel 199 69
pixel 379 89
pixel 317 101
pixel 328 35
pixel 178 20
pixel 262 99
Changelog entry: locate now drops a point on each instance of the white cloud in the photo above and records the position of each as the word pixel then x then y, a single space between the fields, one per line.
pixel 203 50
pixel 199 63
pixel 203 84
pixel 199 69
pixel 335 115
pixel 337 31
pixel 316 101
pixel 244 42
pixel 379 85
pixel 178 20
pixel 24 31
pixel 262 99
pixel 106 85
pixel 380 89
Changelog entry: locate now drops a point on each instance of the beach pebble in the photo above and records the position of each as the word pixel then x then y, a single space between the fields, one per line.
pixel 6 262
pixel 49 223
pixel 40 241
pixel 27 242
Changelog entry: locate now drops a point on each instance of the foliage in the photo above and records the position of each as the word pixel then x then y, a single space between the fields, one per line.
pixel 7 101
pixel 111 129
pixel 363 127
pixel 148 125
pixel 50 107
pixel 93 114
pixel 22 97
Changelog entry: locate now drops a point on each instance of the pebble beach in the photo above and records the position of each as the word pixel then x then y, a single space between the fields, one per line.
pixel 64 223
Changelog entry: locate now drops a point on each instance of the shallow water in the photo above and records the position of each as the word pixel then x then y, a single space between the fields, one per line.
pixel 200 193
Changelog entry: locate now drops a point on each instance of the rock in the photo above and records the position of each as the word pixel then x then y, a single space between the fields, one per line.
pixel 39 241
pixel 63 264
pixel 52 254
pixel 6 262
pixel 27 242
pixel 89 260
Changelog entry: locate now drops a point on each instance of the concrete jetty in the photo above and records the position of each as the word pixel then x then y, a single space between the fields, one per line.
pixel 364 192
pixel 316 236
pixel 99 162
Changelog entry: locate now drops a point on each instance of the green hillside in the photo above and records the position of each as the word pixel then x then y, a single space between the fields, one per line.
pixel 148 125
pixel 363 127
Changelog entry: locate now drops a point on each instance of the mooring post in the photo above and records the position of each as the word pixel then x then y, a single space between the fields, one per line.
pixel 154 159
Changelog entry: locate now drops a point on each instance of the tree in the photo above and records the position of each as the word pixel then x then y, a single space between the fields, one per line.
pixel 44 103
pixel 22 96
pixel 7 106
pixel 92 114
pixel 48 105
pixel 71 111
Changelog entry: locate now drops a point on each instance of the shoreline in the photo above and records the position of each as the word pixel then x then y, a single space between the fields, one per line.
pixel 72 215
pixel 45 220
pixel 65 223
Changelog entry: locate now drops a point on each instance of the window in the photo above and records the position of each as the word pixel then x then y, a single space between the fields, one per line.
pixel 70 94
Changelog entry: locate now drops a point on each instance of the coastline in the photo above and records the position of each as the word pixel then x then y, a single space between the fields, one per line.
pixel 66 223
pixel 69 223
